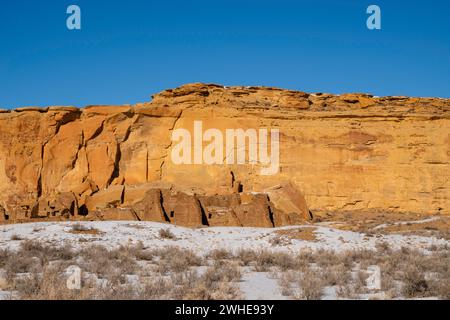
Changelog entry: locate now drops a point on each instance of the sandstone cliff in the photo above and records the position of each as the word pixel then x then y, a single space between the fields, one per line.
pixel 340 153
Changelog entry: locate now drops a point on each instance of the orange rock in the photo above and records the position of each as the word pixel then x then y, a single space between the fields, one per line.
pixel 111 197
pixel 287 199
pixel 341 153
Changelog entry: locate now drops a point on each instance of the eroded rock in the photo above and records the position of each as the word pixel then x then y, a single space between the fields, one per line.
pixel 352 152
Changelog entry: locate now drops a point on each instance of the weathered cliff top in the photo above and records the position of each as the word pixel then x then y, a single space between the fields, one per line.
pixel 203 95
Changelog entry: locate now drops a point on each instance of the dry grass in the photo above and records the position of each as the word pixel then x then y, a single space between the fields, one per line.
pixel 15 237
pixel 78 228
pixel 174 259
pixel 36 271
pixel 311 285
pixel 166 234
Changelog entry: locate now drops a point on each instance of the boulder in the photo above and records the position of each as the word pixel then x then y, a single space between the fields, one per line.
pixel 182 209
pixel 107 198
pixel 146 202
pixel 116 214
pixel 60 205
pixel 289 204
pixel 218 209
pixel 255 211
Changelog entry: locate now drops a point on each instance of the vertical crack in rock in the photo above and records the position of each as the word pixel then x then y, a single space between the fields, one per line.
pixel 161 202
pixel 116 170
pixel 146 163
pixel 41 167
pixel 269 209
pixel 169 146
pixel 233 179
pixel 136 216
pixel 161 168
pixel 202 210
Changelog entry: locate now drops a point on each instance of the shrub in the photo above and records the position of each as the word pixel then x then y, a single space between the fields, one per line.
pixel 167 234
pixel 311 285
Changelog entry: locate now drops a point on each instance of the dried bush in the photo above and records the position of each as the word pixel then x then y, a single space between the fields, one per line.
pixel 414 283
pixel 166 234
pixel 246 256
pixel 219 254
pixel 15 237
pixel 4 255
pixel 311 285
pixel 176 260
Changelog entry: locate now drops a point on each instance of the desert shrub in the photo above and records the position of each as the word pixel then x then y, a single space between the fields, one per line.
pixel 146 255
pixel 246 256
pixel 440 288
pixel 216 283
pixel 139 251
pixel 325 258
pixel 124 261
pixel 414 283
pixel 286 281
pixel 311 285
pixel 176 259
pixel 78 227
pixel 336 275
pixel 382 247
pixel 166 234
pixel 61 253
pixel 284 261
pixel 157 287
pixel 264 260
pixel 303 259
pixel 346 291
pixel 20 264
pixel 219 254
pixel 223 271
pixel 116 287
pixel 96 259
pixel 221 291
pixel 4 255
pixel 32 248
pixel 15 237
pixel 50 284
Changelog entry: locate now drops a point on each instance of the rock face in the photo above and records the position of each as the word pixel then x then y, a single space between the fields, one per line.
pixel 336 153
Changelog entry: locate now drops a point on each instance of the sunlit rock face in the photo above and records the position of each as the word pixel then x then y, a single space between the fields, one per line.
pixel 336 153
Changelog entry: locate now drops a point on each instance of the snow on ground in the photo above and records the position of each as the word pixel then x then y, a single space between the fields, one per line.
pixel 254 285
pixel 201 240
pixel 260 286
pixel 5 295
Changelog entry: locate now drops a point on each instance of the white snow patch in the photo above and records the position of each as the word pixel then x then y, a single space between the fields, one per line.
pixel 201 240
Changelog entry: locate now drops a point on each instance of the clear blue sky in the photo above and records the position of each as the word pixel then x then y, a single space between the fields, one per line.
pixel 128 50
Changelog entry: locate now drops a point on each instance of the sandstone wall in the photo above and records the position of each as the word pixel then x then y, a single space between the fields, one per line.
pixel 347 152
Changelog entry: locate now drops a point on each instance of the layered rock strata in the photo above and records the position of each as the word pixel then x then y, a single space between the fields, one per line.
pixel 337 153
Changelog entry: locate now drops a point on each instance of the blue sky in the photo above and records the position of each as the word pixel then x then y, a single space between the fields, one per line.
pixel 128 50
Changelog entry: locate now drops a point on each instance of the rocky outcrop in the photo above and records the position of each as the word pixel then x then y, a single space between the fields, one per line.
pixel 337 153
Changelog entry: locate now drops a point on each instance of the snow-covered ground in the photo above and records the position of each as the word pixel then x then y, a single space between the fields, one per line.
pixel 253 285
pixel 201 240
